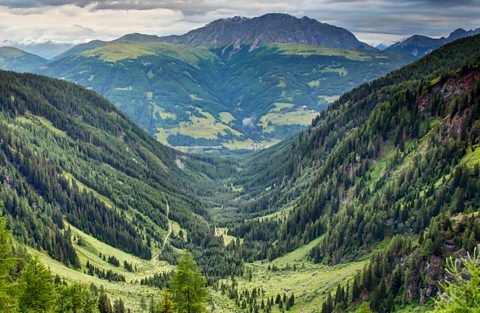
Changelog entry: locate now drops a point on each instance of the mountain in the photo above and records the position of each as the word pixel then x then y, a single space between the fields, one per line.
pixel 273 28
pixel 419 46
pixel 14 59
pixel 195 95
pixel 47 50
pixel 361 208
pixel 394 158
pixel 382 46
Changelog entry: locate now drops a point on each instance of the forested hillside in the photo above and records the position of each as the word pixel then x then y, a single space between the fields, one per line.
pixel 385 159
pixel 69 157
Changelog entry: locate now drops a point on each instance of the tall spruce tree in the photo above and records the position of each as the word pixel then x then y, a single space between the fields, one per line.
pixel 188 286
pixel 461 294
pixel 36 288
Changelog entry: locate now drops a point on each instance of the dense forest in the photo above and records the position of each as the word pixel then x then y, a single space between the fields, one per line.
pixel 69 157
pixel 372 163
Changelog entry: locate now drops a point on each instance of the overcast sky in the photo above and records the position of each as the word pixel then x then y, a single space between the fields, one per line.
pixel 372 21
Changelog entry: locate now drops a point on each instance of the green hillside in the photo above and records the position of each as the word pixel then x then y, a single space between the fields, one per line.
pixel 390 158
pixel 71 163
pixel 17 60
pixel 237 98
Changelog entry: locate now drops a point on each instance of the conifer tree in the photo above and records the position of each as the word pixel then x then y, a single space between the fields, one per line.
pixel 165 305
pixel 460 294
pixel 188 286
pixel 7 288
pixel 104 304
pixel 36 288
pixel 76 298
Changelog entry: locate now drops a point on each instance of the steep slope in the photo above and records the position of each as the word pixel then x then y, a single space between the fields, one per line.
pixel 228 97
pixel 17 60
pixel 69 157
pixel 380 161
pixel 418 45
pixel 273 28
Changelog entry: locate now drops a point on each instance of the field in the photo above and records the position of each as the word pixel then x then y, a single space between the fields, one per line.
pixel 309 282
pixel 286 114
pixel 303 50
pixel 130 291
pixel 114 52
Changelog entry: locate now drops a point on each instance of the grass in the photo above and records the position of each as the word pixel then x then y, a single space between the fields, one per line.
pixel 119 51
pixel 296 116
pixel 472 156
pixel 131 293
pixel 299 254
pixel 226 117
pixel 304 50
pixel 204 126
pixel 309 282
pixel 30 119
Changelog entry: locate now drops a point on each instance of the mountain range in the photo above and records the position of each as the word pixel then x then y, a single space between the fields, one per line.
pixel 273 28
pixel 362 207
pixel 238 83
pixel 419 45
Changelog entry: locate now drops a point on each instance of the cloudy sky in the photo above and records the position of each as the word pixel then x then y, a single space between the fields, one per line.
pixel 373 21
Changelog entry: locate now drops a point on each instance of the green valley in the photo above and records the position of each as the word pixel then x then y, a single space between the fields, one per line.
pixel 364 196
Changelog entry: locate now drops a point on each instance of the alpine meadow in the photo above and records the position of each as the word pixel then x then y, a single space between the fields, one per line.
pixel 178 157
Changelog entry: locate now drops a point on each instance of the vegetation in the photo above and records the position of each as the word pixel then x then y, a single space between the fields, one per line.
pixel 361 209
pixel 189 96
pixel 462 292
pixel 188 287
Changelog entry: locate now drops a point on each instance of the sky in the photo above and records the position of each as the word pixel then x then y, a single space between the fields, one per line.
pixel 372 21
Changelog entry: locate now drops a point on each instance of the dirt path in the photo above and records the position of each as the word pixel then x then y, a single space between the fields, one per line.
pixel 169 232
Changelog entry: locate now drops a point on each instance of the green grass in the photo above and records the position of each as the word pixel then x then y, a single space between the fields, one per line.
pixel 118 51
pixel 297 116
pixel 472 156
pixel 304 50
pixel 300 254
pixel 309 282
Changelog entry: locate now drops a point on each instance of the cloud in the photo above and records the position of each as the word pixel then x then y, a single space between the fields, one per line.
pixel 371 20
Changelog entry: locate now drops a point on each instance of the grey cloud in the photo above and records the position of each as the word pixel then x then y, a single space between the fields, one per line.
pixel 394 17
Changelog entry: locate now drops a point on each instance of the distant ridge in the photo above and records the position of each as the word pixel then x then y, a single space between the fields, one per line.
pixel 272 27
pixel 17 60
pixel 418 45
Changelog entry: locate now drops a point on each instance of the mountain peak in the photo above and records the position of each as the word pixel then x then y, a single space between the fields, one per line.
pixel 271 27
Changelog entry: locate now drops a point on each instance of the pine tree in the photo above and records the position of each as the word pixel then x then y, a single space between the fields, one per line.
pixel 76 298
pixel 461 295
pixel 119 306
pixel 7 262
pixel 188 286
pixel 37 288
pixel 104 305
pixel 165 305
